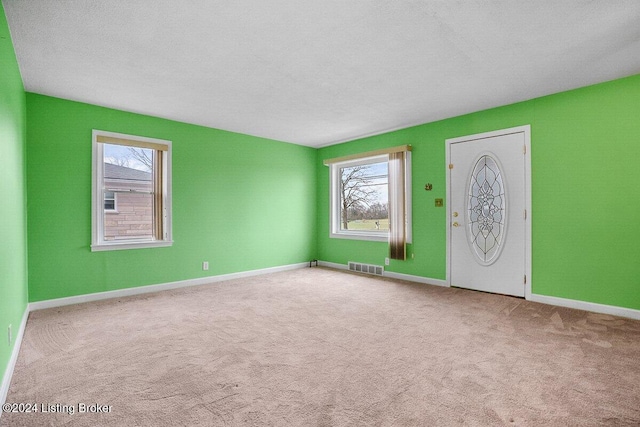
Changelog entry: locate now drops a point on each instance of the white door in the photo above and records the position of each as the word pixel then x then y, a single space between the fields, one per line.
pixel 487 210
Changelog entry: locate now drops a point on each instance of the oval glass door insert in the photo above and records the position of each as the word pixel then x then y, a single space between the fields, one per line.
pixel 486 210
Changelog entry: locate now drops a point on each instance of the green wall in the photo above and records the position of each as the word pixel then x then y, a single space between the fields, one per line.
pixel 585 149
pixel 239 202
pixel 244 203
pixel 13 226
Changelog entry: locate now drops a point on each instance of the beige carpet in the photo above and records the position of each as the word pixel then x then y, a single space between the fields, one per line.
pixel 318 347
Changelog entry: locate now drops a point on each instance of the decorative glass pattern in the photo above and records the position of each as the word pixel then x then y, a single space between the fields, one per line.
pixel 486 210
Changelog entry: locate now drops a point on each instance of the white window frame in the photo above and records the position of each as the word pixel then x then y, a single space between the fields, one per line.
pixel 97 205
pixel 335 230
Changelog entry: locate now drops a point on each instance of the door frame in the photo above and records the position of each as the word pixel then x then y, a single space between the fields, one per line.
pixel 526 131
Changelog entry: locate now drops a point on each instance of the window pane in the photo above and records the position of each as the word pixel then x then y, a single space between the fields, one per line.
pixel 131 195
pixel 134 219
pixel 364 197
pixel 109 201
pixel 128 172
pixel 140 159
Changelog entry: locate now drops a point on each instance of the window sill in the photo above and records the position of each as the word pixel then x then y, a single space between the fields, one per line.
pixel 130 245
pixel 354 235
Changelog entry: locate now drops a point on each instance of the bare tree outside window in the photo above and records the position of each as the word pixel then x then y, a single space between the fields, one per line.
pixel 120 161
pixel 143 156
pixel 364 197
pixel 129 157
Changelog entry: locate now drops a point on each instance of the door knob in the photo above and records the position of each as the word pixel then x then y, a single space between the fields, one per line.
pixel 455 214
pixel 455 224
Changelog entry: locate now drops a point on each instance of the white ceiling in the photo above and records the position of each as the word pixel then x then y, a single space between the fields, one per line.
pixel 318 72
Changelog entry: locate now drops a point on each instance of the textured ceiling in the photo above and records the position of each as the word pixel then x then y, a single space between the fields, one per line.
pixel 318 72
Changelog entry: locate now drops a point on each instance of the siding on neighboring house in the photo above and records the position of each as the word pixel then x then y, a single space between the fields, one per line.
pixel 133 214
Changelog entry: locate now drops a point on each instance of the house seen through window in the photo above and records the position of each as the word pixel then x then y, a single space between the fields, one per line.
pixel 131 177
pixel 132 181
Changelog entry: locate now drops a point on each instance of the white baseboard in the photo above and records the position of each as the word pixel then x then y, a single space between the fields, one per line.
pixel 59 302
pixel 333 265
pixel 418 279
pixel 561 302
pixel 587 306
pixel 391 274
pixel 8 373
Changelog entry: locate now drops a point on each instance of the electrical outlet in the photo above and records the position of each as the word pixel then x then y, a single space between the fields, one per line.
pixel 205 265
pixel 10 335
pixel 413 256
pixel 386 261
